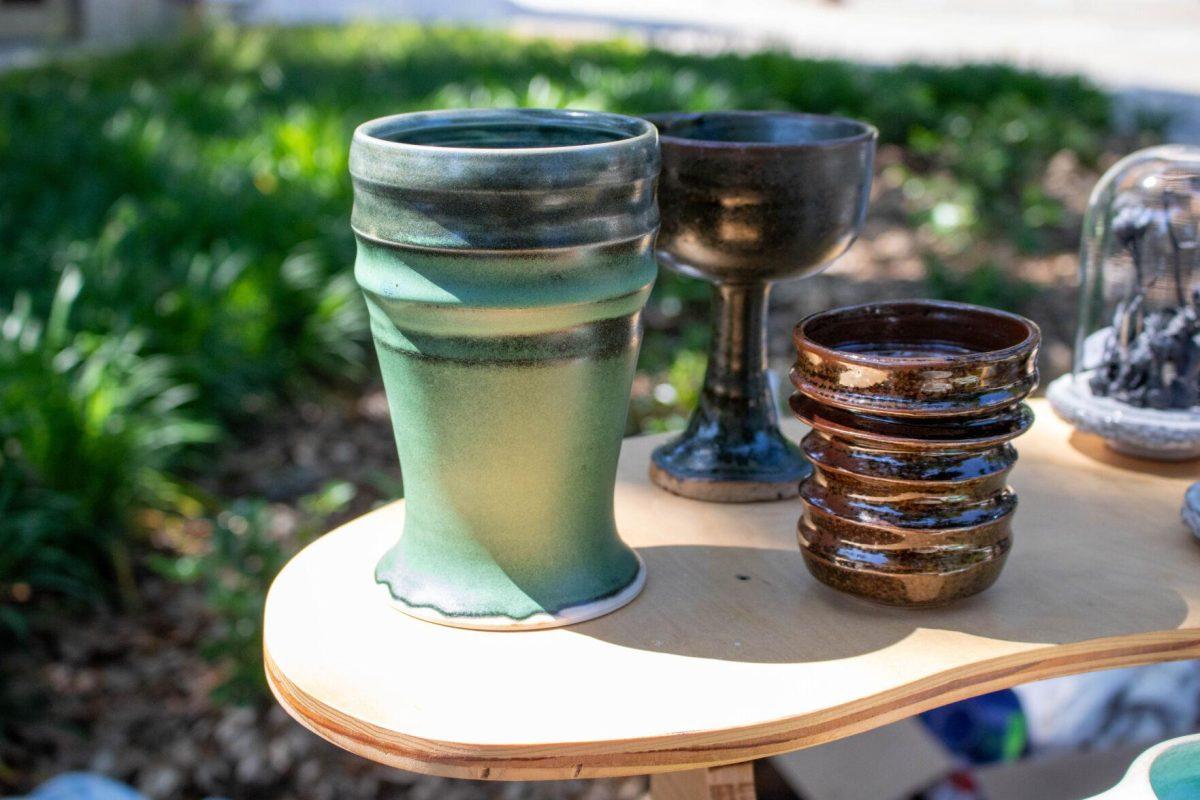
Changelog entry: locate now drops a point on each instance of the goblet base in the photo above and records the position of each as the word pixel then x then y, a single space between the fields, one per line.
pixel 701 468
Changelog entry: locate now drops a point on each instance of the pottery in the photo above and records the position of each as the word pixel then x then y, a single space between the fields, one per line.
pixel 1135 376
pixel 505 256
pixel 912 406
pixel 1147 433
pixel 1151 433
pixel 748 198
pixel 1167 771
pixel 1189 512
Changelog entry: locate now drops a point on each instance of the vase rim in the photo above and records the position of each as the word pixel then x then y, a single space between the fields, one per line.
pixel 622 129
pixel 423 180
pixel 1030 334
pixel 858 132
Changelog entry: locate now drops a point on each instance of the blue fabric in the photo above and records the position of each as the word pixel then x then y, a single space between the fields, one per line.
pixel 1095 711
pixel 982 730
pixel 83 786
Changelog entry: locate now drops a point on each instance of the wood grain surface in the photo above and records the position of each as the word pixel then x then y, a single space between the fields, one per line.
pixel 733 651
pixel 727 782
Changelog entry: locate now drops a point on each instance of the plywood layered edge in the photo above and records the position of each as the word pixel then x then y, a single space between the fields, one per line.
pixel 699 749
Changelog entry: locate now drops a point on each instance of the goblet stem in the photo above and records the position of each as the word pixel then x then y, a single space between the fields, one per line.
pixel 736 393
pixel 732 450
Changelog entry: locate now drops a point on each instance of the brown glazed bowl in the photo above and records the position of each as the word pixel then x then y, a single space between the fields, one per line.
pixel 912 406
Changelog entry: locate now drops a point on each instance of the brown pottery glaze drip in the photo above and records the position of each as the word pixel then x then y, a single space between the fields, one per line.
pixel 912 407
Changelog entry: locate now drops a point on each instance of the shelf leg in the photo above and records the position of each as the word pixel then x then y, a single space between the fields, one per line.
pixel 730 782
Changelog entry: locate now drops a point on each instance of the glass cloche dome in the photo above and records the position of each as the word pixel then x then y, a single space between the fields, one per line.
pixel 1136 374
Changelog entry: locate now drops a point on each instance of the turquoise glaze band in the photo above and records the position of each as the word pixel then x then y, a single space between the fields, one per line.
pixel 505 257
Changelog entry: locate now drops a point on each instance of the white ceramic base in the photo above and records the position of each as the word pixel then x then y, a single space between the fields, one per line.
pixel 1139 432
pixel 1153 454
pixel 566 616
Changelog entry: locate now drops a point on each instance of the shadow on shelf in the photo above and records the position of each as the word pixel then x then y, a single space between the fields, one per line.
pixel 1093 447
pixel 760 605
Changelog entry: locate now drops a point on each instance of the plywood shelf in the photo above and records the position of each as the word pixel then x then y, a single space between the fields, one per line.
pixel 733 652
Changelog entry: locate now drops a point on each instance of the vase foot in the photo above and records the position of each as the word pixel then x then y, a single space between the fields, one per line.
pixel 566 616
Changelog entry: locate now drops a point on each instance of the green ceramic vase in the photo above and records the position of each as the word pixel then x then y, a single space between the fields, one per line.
pixel 505 256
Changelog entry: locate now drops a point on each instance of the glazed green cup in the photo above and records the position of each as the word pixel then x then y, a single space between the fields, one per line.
pixel 505 256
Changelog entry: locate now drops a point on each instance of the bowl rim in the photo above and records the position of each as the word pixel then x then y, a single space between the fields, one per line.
pixel 1027 344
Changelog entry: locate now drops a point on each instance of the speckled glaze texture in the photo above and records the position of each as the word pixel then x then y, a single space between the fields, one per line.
pixel 748 198
pixel 912 407
pixel 505 257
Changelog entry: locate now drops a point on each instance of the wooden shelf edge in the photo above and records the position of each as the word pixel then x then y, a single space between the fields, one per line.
pixel 702 749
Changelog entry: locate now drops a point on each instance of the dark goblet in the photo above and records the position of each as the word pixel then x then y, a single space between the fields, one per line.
pixel 748 198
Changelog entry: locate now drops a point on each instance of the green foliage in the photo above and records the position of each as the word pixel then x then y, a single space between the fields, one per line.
pixel 200 188
pixel 241 551
pixel 90 430
pixel 242 555
pixel 35 550
pixel 987 284
pixel 183 180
